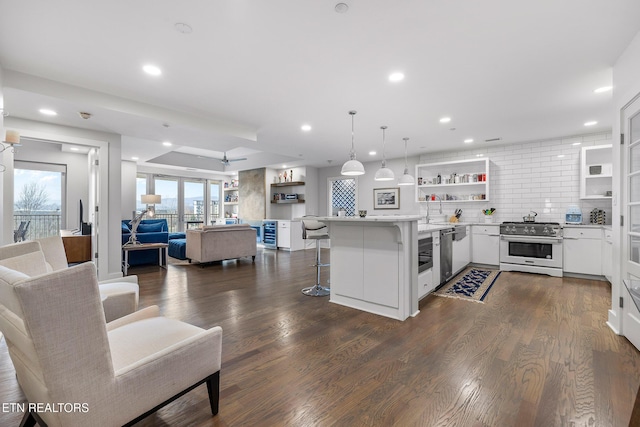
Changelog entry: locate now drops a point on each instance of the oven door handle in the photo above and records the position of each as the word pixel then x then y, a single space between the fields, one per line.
pixel 530 239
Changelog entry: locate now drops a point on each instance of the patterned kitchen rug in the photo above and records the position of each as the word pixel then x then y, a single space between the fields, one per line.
pixel 472 284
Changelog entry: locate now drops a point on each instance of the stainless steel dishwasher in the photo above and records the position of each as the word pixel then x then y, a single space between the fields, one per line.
pixel 446 254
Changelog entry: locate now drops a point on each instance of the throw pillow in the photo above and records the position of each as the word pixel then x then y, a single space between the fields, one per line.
pixel 31 264
pixel 8 278
pixel 150 228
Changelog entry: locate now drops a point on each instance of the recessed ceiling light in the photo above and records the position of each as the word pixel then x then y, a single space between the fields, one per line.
pixel 468 141
pixel 305 128
pixel 48 112
pixel 560 156
pixel 479 155
pixel 342 8
pixel 135 158
pixel 183 28
pixel 74 149
pixel 603 89
pixel 591 123
pixel 576 143
pixel 396 77
pixel 152 70
pixel 372 153
pixel 167 144
pixel 445 120
pixel 284 166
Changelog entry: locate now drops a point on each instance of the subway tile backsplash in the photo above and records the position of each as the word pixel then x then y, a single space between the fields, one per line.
pixel 528 177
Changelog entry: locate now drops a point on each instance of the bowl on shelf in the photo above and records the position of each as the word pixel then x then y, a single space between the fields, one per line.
pixel 362 213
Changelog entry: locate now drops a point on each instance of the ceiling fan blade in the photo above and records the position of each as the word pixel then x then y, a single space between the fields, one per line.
pixel 237 160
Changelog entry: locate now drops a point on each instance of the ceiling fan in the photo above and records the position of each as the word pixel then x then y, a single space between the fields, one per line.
pixel 226 161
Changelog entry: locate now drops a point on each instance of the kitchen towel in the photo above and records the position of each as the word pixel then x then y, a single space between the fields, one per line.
pixel 472 284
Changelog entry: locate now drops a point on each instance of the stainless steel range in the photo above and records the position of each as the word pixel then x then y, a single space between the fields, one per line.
pixel 531 247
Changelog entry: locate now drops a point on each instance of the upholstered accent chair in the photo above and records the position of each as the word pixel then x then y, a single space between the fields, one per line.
pixel 119 372
pixel 119 296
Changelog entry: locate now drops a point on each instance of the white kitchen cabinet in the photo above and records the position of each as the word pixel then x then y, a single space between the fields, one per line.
pixel 430 279
pixel 582 250
pixel 607 254
pixel 290 235
pixel 461 252
pixel 461 181
pixel 596 172
pixel 485 244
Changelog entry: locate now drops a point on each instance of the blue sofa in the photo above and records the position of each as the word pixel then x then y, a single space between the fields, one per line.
pixel 149 231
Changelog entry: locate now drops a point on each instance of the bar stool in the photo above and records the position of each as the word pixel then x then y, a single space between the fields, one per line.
pixel 314 229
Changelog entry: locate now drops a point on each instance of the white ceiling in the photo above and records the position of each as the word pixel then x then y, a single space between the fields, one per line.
pixel 253 71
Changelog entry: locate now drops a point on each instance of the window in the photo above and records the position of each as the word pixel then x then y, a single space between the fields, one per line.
pixel 343 194
pixel 186 202
pixel 39 200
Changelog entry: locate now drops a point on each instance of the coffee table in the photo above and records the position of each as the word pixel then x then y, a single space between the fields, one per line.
pixel 143 247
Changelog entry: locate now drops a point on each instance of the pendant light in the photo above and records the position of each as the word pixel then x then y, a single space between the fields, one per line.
pixel 406 179
pixel 352 167
pixel 384 173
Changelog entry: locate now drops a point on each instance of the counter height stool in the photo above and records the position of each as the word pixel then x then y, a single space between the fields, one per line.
pixel 314 229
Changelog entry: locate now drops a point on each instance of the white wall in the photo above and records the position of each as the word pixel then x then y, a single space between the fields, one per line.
pixel 6 181
pixel 529 177
pixel 308 175
pixel 366 184
pixel 128 189
pixel 526 176
pixel 626 86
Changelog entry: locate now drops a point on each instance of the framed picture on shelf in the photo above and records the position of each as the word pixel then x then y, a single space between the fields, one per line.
pixel 386 198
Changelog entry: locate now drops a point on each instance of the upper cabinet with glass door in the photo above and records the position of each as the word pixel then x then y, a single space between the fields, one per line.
pixel 459 181
pixel 596 172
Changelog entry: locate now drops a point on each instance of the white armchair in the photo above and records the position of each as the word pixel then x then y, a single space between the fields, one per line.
pixel 119 296
pixel 64 351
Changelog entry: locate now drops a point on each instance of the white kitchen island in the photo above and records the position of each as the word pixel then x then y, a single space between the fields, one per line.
pixel 374 263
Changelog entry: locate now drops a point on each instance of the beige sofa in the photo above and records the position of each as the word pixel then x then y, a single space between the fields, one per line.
pixel 220 242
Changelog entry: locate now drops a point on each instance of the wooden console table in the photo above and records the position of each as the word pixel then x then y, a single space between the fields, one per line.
pixel 143 247
pixel 76 246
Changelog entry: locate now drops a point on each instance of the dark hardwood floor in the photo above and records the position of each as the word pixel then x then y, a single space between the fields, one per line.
pixel 536 353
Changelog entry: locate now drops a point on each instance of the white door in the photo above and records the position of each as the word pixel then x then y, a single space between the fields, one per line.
pixel 631 227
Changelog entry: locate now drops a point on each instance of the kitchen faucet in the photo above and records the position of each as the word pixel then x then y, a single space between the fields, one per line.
pixel 435 196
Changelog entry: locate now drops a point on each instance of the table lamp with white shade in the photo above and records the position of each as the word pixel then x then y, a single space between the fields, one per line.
pixel 150 200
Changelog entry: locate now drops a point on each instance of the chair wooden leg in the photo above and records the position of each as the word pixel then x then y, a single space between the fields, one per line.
pixel 213 387
pixel 28 420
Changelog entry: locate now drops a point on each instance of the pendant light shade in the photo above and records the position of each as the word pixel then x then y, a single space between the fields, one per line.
pixel 406 179
pixel 384 173
pixel 352 167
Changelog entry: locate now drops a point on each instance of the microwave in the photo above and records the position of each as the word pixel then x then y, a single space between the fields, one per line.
pixel 603 169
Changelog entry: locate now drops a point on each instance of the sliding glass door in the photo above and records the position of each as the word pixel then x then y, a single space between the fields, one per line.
pixel 193 203
pixel 169 207
pixel 186 202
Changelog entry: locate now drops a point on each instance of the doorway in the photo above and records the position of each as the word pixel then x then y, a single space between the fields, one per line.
pixel 630 127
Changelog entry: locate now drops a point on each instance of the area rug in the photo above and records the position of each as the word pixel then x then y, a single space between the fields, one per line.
pixel 473 284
